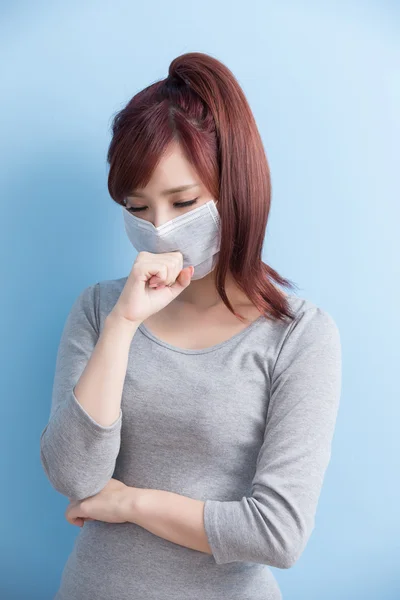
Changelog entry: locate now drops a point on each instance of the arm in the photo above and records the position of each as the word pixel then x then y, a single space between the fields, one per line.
pixel 171 516
pixel 273 524
pixel 81 441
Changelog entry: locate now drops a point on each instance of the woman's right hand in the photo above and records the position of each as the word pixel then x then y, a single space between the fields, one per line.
pixel 139 299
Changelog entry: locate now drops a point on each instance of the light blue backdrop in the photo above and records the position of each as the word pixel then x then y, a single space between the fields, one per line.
pixel 323 81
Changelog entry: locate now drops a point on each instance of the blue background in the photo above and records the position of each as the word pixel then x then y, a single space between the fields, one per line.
pixel 323 82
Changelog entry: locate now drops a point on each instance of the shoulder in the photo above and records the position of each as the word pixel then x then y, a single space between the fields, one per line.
pixel 307 365
pixel 110 289
pixel 309 315
pixel 107 289
pixel 107 293
pixel 97 299
pixel 313 328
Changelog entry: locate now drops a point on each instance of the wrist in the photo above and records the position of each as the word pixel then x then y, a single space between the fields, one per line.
pixel 115 321
pixel 133 502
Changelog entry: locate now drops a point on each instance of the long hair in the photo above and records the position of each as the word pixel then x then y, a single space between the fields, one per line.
pixel 201 105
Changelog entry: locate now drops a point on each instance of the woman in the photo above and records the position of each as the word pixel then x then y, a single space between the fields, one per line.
pixel 194 402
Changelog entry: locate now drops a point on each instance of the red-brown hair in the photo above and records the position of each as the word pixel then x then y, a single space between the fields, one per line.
pixel 201 105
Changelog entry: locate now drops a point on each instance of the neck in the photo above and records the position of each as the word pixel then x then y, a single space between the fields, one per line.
pixel 202 293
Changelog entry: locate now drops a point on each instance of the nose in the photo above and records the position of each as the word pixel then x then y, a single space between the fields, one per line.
pixel 161 218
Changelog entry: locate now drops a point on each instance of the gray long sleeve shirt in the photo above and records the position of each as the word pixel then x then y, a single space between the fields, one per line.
pixel 245 425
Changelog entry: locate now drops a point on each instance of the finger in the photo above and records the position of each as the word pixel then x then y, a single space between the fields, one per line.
pixel 74 511
pixel 160 276
pixel 183 280
pixel 155 281
pixel 163 279
pixel 173 266
pixel 79 521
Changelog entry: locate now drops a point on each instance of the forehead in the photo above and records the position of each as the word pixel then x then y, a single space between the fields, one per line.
pixel 173 170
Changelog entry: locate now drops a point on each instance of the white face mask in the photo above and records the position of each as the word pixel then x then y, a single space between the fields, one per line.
pixel 196 234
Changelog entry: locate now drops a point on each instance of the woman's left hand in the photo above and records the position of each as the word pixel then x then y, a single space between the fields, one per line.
pixel 112 505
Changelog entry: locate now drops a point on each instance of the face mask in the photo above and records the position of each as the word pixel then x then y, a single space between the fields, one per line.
pixel 196 234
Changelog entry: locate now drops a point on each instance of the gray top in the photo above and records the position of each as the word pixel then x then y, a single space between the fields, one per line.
pixel 245 425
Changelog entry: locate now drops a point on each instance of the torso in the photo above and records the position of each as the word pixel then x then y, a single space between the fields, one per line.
pixel 189 329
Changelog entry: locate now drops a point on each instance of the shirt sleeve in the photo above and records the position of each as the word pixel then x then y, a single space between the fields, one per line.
pixel 272 525
pixel 77 453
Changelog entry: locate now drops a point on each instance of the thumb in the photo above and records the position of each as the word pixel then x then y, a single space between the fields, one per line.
pixel 183 280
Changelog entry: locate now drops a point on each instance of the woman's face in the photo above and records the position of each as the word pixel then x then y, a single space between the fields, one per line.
pixel 173 190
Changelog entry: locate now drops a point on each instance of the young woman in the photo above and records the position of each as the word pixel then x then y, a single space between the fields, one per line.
pixel 194 402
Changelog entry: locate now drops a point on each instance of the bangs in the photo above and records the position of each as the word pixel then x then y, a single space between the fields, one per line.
pixel 138 145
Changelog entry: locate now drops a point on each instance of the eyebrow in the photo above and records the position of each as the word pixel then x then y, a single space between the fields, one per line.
pixel 180 188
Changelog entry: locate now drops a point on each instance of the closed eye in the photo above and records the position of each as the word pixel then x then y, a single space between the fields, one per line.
pixel 177 204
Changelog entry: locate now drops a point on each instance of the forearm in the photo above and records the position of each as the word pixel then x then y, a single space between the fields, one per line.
pixel 171 516
pixel 99 389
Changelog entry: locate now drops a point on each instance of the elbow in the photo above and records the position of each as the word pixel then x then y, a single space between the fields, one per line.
pixel 290 553
pixel 72 483
pixel 287 559
pixel 78 490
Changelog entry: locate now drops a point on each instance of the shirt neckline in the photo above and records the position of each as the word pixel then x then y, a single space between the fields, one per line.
pixel 146 331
